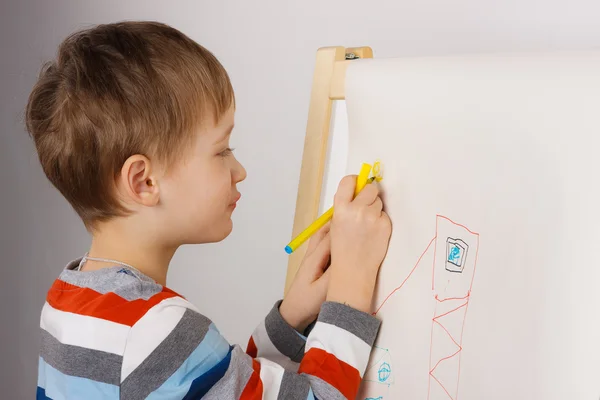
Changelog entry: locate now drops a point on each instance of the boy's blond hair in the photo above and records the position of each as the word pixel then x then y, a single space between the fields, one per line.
pixel 114 91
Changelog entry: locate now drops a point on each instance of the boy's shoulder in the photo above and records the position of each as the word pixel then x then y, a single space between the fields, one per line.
pixel 113 294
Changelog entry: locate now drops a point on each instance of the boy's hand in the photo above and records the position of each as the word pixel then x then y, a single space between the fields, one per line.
pixel 308 291
pixel 360 234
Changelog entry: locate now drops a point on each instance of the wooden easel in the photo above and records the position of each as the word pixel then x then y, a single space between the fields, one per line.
pixel 328 85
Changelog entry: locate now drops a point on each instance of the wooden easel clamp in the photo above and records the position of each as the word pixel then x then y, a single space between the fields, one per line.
pixel 328 85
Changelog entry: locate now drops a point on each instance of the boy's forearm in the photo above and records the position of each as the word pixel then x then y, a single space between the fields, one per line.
pixel 353 292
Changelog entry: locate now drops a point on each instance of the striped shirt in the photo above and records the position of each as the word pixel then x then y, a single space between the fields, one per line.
pixel 115 333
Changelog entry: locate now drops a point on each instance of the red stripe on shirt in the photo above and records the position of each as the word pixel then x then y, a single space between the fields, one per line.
pixel 342 376
pixel 84 301
pixel 254 387
pixel 252 350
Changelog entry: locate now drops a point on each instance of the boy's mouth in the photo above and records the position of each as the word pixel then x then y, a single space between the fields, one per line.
pixel 235 200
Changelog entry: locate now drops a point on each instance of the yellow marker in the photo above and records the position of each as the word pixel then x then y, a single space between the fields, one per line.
pixel 363 177
pixel 361 182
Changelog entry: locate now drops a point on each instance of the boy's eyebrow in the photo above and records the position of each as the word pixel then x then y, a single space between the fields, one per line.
pixel 226 135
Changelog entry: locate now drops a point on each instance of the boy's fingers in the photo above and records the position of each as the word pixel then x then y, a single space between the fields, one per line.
pixel 317 237
pixel 345 192
pixel 320 257
pixel 377 206
pixel 368 195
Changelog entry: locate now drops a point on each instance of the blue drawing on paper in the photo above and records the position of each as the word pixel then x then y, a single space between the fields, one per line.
pixel 380 370
pixel 456 254
pixel 384 372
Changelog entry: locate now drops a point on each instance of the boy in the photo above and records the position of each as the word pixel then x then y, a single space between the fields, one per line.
pixel 126 122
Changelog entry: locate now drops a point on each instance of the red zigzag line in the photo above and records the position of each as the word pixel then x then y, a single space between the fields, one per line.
pixel 435 320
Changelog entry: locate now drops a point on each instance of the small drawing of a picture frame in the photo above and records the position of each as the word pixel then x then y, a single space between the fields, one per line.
pixel 456 254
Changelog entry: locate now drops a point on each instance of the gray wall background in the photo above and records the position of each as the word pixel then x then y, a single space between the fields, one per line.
pixel 268 47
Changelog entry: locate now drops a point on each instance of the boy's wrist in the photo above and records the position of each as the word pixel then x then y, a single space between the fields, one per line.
pixel 294 318
pixel 359 303
pixel 352 291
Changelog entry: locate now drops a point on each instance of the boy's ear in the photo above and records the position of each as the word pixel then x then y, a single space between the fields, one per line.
pixel 138 182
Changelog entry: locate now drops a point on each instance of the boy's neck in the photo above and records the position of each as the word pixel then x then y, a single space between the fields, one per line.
pixel 119 242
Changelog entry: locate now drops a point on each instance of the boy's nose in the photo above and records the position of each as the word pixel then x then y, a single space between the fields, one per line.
pixel 240 172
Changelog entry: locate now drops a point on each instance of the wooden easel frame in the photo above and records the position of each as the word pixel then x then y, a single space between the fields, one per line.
pixel 328 85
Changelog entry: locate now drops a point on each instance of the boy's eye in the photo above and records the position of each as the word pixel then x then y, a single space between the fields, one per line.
pixel 227 152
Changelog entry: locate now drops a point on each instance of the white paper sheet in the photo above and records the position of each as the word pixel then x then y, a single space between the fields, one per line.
pixel 491 178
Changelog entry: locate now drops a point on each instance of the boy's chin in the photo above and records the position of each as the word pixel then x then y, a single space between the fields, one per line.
pixel 215 235
pixel 226 232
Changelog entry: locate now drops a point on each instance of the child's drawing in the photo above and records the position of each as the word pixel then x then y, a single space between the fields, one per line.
pixel 380 370
pixel 384 372
pixel 452 276
pixel 452 292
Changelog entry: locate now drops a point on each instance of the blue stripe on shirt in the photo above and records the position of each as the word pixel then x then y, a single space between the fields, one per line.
pixel 210 353
pixel 59 386
pixel 203 384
